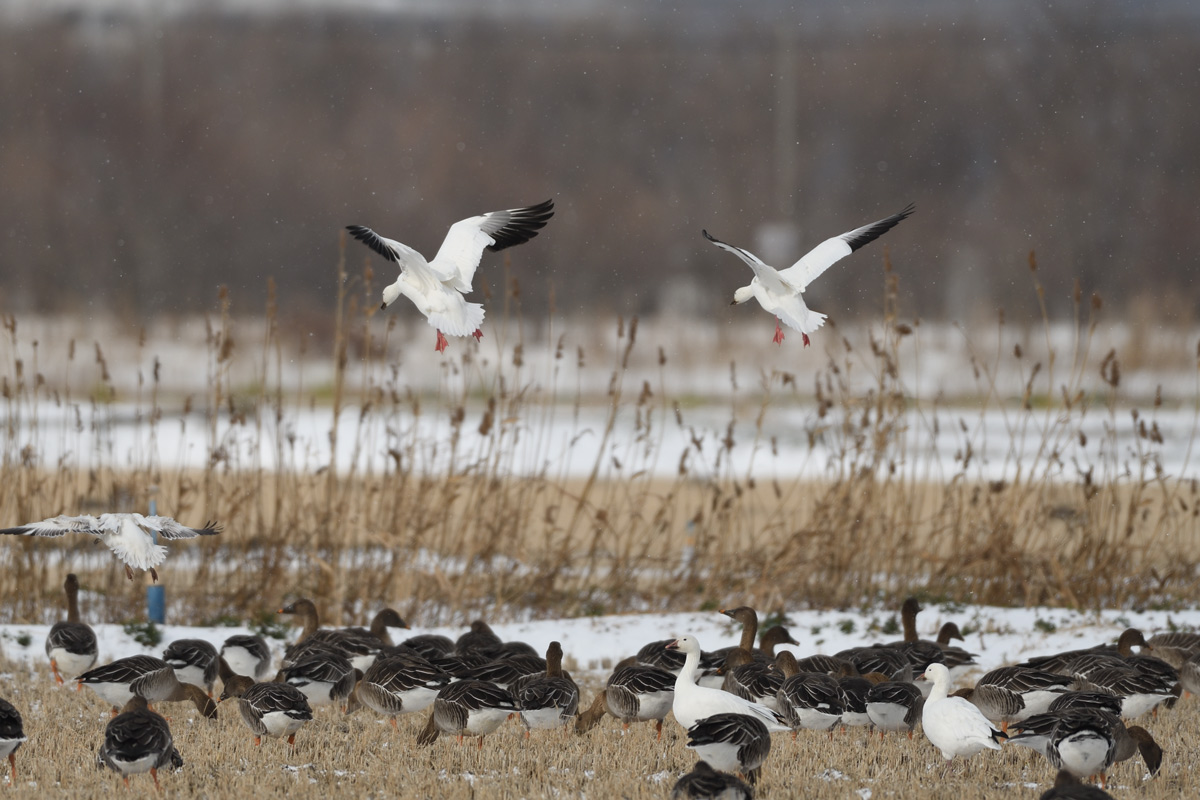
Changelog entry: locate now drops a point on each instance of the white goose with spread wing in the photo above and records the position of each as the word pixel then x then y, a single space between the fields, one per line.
pixel 780 291
pixel 437 287
pixel 127 535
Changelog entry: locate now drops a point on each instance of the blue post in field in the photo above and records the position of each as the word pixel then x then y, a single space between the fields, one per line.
pixel 156 594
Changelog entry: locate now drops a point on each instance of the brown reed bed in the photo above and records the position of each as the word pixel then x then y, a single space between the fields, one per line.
pixel 478 538
pixel 360 755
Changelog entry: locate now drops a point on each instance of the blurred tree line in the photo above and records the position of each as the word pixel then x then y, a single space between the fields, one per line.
pixel 146 159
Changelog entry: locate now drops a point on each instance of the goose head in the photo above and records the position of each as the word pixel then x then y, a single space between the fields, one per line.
pixel 1130 638
pixel 685 644
pixel 390 293
pixel 949 631
pixel 938 674
pixel 1152 754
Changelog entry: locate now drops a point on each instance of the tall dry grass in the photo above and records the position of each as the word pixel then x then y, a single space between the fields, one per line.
pixel 479 538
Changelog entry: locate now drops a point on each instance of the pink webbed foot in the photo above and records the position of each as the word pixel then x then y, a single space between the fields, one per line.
pixel 804 336
pixel 478 334
pixel 778 333
pixel 441 342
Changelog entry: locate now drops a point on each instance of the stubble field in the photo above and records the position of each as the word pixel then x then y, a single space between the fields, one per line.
pixel 360 755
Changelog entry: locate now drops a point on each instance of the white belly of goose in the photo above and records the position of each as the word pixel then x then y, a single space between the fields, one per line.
pixel 278 723
pixel 1084 753
pixel 1135 705
pixel 318 693
pixel 191 674
pixel 888 716
pixel 135 766
pixel 655 705
pixel 241 661
pixel 815 719
pixel 483 721
pixel 115 694
pixel 71 664
pixel 721 756
pixel 418 698
pixel 543 717
pixel 1036 702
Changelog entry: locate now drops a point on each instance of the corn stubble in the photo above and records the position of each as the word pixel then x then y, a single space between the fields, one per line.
pixel 362 756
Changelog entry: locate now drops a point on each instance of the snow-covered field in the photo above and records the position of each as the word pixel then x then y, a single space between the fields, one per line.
pixel 593 644
pixel 793 442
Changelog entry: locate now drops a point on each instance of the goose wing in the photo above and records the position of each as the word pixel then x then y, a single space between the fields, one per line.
pixel 265 698
pixel 403 256
pixel 833 250
pixel 458 257
pixel 768 276
pixel 58 526
pixel 74 637
pixel 168 528
pixel 123 670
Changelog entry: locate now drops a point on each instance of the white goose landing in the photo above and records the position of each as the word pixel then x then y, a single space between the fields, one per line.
pixel 127 535
pixel 779 291
pixel 437 287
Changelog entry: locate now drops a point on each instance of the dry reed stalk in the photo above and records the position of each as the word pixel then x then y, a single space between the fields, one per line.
pixel 476 538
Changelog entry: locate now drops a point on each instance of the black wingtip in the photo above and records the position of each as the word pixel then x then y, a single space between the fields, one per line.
pixel 708 235
pixel 869 233
pixel 524 225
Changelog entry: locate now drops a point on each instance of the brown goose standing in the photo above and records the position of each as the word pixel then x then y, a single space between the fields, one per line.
pixel 398 684
pixel 549 700
pixel 194 662
pixel 138 740
pixel 324 676
pixel 12 735
pixel 468 708
pixel 894 706
pixel 634 692
pixel 267 709
pixel 731 743
pixel 1087 741
pixel 71 644
pixel 114 681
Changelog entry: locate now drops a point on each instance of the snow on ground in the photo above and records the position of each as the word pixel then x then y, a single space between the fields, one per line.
pixel 793 442
pixel 998 635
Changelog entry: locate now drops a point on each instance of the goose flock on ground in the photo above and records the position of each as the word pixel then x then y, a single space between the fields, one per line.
pixel 1075 708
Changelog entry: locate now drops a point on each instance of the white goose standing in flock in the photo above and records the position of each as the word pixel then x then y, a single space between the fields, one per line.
pixel 127 535
pixel 954 725
pixel 437 287
pixel 779 291
pixel 693 703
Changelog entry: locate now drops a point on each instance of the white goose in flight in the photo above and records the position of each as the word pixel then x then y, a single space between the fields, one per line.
pixel 779 291
pixel 127 535
pixel 437 287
